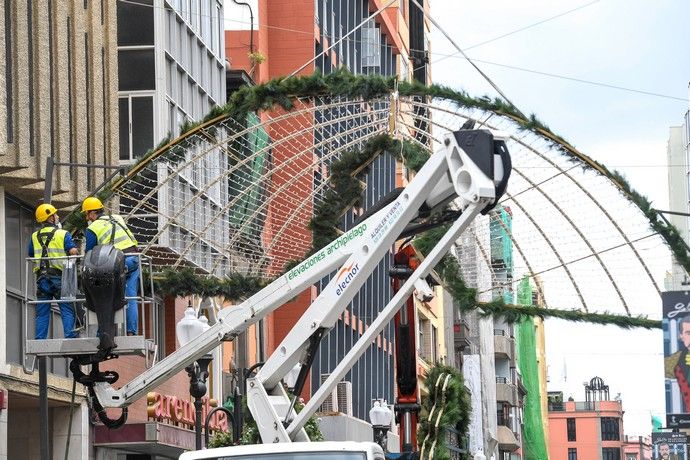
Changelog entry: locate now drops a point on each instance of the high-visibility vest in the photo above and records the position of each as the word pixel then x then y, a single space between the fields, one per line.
pixel 49 246
pixel 103 228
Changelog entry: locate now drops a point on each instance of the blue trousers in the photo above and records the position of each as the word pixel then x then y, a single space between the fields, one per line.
pixel 131 288
pixel 48 288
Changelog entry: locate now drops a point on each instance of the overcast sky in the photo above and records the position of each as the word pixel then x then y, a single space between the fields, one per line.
pixel 637 44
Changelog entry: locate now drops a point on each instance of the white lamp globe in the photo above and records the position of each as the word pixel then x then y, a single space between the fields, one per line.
pixel 188 327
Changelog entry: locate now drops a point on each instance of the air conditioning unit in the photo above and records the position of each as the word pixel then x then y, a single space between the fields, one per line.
pixel 340 399
pixel 330 404
pixel 344 396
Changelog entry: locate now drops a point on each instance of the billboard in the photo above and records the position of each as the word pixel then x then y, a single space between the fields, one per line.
pixel 676 326
pixel 669 446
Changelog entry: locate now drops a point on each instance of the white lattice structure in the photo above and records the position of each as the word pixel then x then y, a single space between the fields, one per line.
pixel 259 181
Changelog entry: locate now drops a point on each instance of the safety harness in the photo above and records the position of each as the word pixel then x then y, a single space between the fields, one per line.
pixel 44 239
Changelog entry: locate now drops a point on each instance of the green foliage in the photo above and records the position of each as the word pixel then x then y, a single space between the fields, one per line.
pixel 250 432
pixel 346 188
pixel 447 405
pixel 184 282
pixel 282 92
pixel 221 439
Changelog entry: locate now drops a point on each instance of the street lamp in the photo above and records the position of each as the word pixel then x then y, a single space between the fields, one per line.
pixel 381 416
pixel 189 327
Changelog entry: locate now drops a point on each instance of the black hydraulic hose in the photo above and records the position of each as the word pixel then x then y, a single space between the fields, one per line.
pixel 251 18
pixel 113 424
pixel 88 380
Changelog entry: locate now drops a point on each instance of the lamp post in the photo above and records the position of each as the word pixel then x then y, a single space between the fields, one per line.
pixel 381 416
pixel 189 327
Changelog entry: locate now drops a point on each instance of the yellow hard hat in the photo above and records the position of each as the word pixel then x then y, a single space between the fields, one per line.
pixel 43 211
pixel 91 204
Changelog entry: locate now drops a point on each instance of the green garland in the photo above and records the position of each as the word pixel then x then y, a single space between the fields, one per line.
pixel 452 406
pixel 185 282
pixel 466 298
pixel 346 189
pixel 282 92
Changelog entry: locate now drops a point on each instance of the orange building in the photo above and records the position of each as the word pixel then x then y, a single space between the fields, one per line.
pixel 586 430
pixel 275 38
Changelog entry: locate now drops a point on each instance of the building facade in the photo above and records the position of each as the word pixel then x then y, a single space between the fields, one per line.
pixel 283 36
pixel 677 151
pixel 590 429
pixel 171 71
pixel 57 101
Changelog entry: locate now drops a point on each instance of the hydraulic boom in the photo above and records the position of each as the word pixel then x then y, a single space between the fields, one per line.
pixel 471 169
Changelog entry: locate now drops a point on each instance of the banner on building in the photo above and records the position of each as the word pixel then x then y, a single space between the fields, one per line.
pixel 471 371
pixel 669 446
pixel 676 326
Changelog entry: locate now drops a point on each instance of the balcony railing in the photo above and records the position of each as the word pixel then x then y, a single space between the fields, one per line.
pixel 580 406
pixel 457 444
pixel 499 332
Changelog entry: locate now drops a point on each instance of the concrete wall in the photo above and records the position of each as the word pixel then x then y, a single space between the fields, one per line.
pixel 677 196
pixel 345 428
pixel 45 120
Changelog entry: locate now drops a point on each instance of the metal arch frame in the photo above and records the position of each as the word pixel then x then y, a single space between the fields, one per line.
pixel 413 102
pixel 578 231
pixel 556 253
pixel 238 197
pixel 283 187
pixel 508 232
pixel 323 185
pixel 578 156
pixel 176 171
pixel 216 180
pixel 541 231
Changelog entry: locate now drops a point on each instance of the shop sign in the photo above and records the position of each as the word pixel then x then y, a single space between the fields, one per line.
pixel 180 411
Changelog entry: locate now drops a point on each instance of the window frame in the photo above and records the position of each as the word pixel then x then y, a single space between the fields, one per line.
pixel 131 95
pixel 608 424
pixel 571 427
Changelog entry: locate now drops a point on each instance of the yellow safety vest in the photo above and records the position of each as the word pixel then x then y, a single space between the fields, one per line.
pixel 55 247
pixel 103 229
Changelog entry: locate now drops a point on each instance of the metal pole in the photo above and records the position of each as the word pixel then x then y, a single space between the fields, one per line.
pixel 197 421
pixel 42 367
pixel 43 407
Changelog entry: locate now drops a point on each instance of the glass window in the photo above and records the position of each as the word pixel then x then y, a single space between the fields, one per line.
pixel 571 430
pixel 611 453
pixel 572 453
pixel 142 125
pixel 135 23
pixel 123 107
pixel 371 45
pixel 610 430
pixel 136 70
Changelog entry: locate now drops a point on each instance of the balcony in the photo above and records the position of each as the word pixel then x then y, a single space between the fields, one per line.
pixel 506 391
pixel 461 335
pixel 585 406
pixel 506 437
pixel 503 344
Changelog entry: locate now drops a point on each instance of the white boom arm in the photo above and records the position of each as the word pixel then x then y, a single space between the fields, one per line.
pixel 475 176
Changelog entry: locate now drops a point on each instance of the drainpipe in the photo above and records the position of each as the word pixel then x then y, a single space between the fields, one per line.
pixel 251 18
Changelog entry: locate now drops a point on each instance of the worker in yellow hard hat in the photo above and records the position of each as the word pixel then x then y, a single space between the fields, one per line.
pixel 48 244
pixel 110 229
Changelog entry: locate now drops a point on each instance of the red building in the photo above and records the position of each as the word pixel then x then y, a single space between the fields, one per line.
pixel 283 36
pixel 586 430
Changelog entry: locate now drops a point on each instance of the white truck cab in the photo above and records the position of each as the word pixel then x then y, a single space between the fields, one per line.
pixel 348 450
